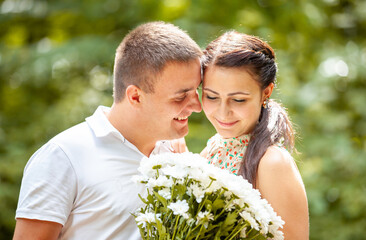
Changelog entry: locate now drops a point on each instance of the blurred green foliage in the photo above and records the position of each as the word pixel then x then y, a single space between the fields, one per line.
pixel 56 61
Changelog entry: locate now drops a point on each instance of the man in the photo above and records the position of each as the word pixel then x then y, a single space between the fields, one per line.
pixel 78 185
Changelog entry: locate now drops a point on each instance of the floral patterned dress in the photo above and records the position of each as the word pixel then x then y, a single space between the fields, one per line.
pixel 227 153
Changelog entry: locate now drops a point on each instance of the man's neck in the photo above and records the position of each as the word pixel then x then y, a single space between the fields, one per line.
pixel 127 123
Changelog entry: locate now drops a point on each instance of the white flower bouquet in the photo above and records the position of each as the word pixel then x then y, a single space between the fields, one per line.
pixel 189 199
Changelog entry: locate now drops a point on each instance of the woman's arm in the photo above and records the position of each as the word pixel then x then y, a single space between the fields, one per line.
pixel 204 152
pixel 280 183
pixel 179 145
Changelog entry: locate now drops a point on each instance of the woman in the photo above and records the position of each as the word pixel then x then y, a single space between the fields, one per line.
pixel 253 132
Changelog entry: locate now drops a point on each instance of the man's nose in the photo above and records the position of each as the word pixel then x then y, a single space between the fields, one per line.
pixel 195 105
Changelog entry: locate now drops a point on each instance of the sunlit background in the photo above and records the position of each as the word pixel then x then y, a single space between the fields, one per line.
pixel 56 61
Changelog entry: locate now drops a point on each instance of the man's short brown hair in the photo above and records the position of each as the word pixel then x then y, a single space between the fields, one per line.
pixel 145 51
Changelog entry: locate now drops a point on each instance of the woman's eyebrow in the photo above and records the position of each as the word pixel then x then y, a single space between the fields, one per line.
pixel 207 89
pixel 230 94
pixel 236 93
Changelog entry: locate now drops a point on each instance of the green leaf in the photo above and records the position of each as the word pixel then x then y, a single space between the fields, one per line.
pixel 161 199
pixel 218 204
pixel 143 199
pixel 230 220
pixel 179 191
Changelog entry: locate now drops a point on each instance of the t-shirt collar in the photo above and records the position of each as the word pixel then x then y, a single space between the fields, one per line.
pixel 101 127
pixel 100 124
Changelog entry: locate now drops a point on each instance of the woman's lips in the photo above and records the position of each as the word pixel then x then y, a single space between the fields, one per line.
pixel 226 124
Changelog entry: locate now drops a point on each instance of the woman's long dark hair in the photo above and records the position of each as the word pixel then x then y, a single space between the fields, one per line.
pixel 237 50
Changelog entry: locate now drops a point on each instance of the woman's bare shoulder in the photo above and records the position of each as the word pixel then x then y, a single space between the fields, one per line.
pixel 278 167
pixel 279 181
pixel 278 159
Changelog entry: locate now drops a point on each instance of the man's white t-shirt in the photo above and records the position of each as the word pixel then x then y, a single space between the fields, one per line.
pixel 82 179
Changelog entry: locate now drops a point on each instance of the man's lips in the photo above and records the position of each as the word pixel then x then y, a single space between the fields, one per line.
pixel 226 124
pixel 181 119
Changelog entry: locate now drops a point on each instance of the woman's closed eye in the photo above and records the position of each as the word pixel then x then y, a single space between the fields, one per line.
pixel 210 97
pixel 239 100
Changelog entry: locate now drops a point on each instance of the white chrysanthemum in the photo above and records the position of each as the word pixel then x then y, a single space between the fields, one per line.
pixel 248 217
pixel 195 173
pixel 175 171
pixel 151 183
pixel 205 218
pixel 230 207
pixel 264 228
pixel 206 215
pixel 139 179
pixel 190 221
pixel 228 195
pixel 161 181
pixel 239 202
pixel 147 166
pixel 205 181
pixel 278 235
pixel 192 170
pixel 197 191
pixel 179 181
pixel 165 193
pixel 261 215
pixel 277 223
pixel 215 186
pixel 179 208
pixel 243 233
pixel 148 217
pixel 274 218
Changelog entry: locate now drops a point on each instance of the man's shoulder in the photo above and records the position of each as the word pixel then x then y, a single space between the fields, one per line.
pixel 77 134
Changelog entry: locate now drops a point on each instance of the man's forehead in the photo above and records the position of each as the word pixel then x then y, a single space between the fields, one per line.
pixel 179 77
pixel 184 90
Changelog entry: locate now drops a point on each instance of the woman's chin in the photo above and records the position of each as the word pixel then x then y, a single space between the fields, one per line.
pixel 226 134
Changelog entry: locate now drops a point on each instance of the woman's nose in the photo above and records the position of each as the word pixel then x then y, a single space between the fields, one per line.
pixel 224 111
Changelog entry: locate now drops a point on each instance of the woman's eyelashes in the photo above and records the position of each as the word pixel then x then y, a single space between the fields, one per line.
pixel 238 100
pixel 210 97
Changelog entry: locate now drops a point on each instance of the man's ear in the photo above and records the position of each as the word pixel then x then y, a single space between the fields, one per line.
pixel 133 94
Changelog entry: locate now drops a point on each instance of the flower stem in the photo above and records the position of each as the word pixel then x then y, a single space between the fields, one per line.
pixel 255 236
pixel 212 180
pixel 235 233
pixel 199 233
pixel 191 230
pixel 201 204
pixel 175 227
pixel 223 210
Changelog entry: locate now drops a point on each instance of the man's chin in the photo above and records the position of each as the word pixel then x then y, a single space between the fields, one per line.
pixel 179 133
